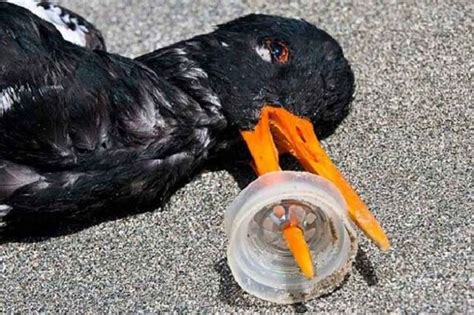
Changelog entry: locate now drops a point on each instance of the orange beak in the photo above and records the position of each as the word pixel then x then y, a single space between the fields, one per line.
pixel 277 132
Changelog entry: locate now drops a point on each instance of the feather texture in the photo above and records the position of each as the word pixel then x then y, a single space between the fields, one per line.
pixel 84 130
pixel 73 27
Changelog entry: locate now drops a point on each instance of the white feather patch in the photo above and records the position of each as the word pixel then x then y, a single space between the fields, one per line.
pixel 4 209
pixel 264 53
pixel 195 73
pixel 8 97
pixel 58 18
pixel 12 94
pixel 180 51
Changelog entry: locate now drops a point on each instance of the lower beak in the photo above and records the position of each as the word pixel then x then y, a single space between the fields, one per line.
pixel 278 131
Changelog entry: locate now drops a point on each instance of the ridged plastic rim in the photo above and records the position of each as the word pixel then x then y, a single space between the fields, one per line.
pixel 272 188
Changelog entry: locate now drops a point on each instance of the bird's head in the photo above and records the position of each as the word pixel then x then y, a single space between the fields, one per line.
pixel 280 81
pixel 261 61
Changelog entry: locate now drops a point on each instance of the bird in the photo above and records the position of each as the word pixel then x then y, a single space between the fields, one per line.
pixel 85 132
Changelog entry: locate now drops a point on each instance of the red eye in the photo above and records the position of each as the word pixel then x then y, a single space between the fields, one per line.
pixel 278 51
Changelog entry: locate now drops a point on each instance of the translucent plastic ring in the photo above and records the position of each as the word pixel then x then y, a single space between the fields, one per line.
pixel 257 254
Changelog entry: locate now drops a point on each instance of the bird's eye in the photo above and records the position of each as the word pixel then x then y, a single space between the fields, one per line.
pixel 278 51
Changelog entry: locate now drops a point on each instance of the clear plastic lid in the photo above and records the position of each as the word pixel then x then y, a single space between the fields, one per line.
pixel 258 255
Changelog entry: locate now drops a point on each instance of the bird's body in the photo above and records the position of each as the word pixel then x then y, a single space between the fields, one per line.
pixel 84 129
pixel 84 132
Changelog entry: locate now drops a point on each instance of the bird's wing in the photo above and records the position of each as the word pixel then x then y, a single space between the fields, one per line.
pixel 58 99
pixel 73 27
pixel 82 130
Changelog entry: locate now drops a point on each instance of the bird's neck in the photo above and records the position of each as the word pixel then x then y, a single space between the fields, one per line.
pixel 178 66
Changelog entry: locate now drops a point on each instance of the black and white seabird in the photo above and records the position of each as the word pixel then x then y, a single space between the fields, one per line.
pixel 85 132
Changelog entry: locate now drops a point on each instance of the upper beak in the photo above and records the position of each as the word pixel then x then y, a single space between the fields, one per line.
pixel 278 131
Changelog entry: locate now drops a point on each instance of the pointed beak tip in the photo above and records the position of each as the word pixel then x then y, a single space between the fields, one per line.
pixel 309 274
pixel 385 245
pixel 300 250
